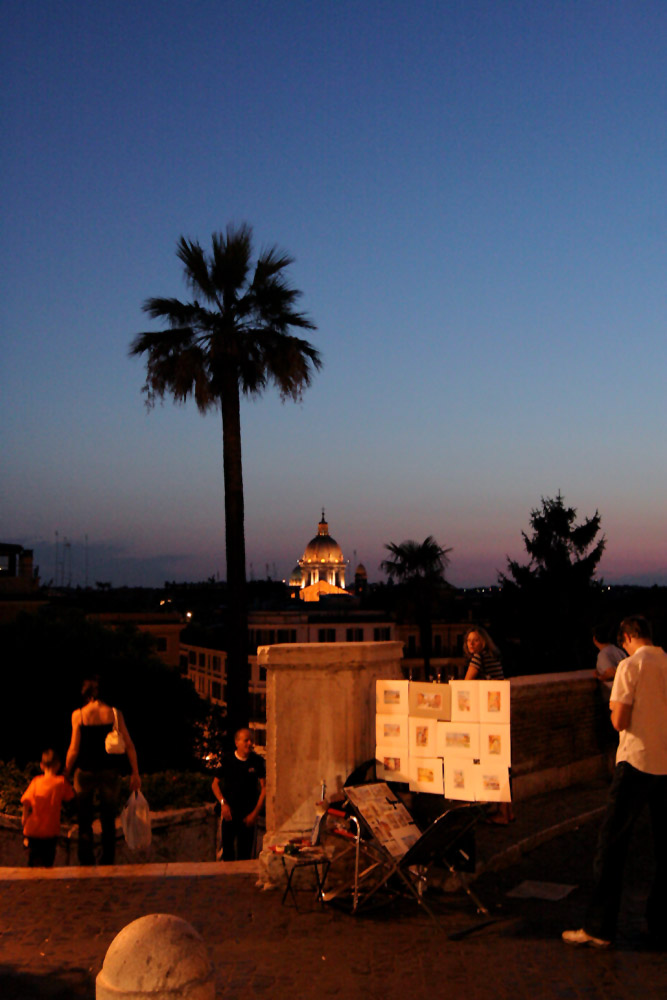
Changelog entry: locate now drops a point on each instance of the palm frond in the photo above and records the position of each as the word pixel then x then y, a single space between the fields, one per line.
pixel 196 268
pixel 230 263
pixel 176 312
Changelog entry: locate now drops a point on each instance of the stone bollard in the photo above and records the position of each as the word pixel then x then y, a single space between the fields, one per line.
pixel 157 957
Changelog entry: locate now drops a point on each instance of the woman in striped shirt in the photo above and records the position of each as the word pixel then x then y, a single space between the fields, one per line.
pixel 484 663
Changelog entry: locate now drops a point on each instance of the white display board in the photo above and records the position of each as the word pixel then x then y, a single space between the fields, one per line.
pixel 392 763
pixel 452 739
pixel 458 739
pixel 465 701
pixel 423 737
pixel 426 775
pixel 495 742
pixel 494 701
pixel 392 730
pixel 391 697
pixel 431 701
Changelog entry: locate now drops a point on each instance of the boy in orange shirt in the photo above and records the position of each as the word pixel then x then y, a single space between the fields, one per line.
pixel 41 811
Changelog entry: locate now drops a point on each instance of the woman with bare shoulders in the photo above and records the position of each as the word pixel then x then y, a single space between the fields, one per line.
pixel 98 771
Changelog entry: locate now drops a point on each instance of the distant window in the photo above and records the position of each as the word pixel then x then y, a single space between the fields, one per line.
pixel 192 657
pixel 202 660
pixel 381 634
pixel 216 690
pixel 326 635
pixel 412 645
pixel 437 644
pixel 216 664
pixel 258 706
pixel 354 635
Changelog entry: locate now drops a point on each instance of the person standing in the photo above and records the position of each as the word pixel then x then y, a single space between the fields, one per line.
pixel 639 713
pixel 41 802
pixel 609 657
pixel 98 772
pixel 240 788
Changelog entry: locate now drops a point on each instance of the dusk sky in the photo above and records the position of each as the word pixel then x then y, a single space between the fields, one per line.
pixel 474 192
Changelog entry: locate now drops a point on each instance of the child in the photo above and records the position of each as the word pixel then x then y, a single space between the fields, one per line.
pixel 41 811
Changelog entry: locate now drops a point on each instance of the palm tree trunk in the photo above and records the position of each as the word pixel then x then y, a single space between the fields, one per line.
pixel 238 674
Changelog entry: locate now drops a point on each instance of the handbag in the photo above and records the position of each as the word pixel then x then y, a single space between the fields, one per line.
pixel 114 742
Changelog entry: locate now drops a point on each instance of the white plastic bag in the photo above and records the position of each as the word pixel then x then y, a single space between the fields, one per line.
pixel 136 822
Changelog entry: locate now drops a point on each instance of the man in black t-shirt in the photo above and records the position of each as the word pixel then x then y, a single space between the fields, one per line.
pixel 240 788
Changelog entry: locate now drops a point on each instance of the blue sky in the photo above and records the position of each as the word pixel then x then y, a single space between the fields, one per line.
pixel 474 195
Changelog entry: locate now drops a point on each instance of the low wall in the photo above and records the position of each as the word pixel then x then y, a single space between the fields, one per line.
pixel 555 732
pixel 320 725
pixel 178 835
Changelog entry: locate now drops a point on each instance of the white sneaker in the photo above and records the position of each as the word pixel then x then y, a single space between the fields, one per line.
pixel 581 937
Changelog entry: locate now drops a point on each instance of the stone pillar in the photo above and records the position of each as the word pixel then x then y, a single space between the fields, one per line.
pixel 157 957
pixel 320 701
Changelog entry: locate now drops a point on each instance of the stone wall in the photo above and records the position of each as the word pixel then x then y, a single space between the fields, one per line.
pixel 555 731
pixel 180 835
pixel 320 714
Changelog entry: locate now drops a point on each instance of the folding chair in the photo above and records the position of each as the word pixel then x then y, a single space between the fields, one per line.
pixel 397 856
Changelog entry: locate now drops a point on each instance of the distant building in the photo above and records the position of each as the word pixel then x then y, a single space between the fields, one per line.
pixel 20 588
pixel 321 569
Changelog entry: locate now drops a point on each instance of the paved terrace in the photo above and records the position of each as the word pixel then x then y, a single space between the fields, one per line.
pixel 55 927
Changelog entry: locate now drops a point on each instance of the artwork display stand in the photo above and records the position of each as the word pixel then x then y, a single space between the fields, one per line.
pixel 396 856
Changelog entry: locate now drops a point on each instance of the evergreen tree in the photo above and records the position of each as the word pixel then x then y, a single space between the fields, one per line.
pixel 548 601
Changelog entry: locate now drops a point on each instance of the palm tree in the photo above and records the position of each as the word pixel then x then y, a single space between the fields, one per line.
pixel 420 568
pixel 233 337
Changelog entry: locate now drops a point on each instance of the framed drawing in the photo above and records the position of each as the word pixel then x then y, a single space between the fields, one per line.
pixel 458 739
pixel 460 779
pixel 494 701
pixel 432 701
pixel 495 743
pixel 391 697
pixel 426 775
pixel 391 763
pixel 493 781
pixel 423 737
pixel 465 701
pixel 392 730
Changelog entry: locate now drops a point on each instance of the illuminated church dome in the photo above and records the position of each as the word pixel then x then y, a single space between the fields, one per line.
pixel 322 560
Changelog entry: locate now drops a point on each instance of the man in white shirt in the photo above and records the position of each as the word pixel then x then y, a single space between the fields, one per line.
pixel 639 712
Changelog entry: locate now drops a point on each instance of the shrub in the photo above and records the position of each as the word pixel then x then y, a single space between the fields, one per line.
pixel 164 790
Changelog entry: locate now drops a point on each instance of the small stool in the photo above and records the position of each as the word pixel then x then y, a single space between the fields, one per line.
pixel 312 861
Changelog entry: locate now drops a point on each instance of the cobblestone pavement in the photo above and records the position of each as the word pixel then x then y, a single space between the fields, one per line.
pixel 54 934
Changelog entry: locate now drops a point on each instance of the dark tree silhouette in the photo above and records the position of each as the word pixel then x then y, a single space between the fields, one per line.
pixel 550 597
pixel 419 568
pixel 232 338
pixel 54 650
